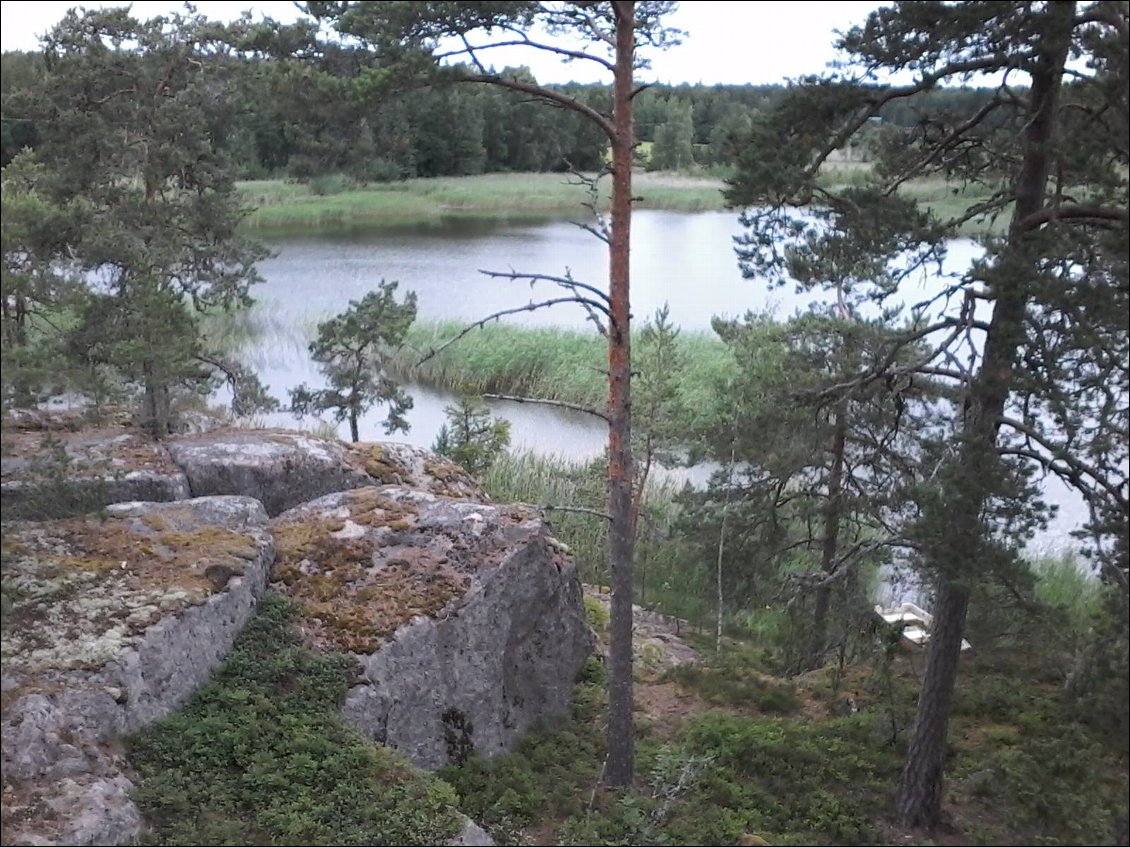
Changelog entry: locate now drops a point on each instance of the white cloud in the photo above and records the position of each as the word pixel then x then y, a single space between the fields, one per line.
pixel 727 42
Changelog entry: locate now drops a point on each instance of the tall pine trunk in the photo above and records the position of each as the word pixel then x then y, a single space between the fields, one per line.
pixel 958 524
pixel 621 759
pixel 156 408
pixel 832 512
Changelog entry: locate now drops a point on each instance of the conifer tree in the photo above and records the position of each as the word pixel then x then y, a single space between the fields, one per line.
pixel 1030 344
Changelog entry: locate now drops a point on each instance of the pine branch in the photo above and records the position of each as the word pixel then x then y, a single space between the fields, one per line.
pixel 1074 212
pixel 482 322
pixel 580 510
pixel 548 95
pixel 539 401
pixel 1077 467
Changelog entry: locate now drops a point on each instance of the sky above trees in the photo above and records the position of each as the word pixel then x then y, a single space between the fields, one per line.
pixel 726 42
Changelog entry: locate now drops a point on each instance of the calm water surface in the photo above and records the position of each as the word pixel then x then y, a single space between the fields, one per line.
pixel 681 259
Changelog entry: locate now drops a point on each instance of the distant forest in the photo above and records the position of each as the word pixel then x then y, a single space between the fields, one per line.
pixel 282 117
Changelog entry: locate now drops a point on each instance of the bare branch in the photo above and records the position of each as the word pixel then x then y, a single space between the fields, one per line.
pixel 593 229
pixel 580 510
pixel 568 283
pixel 564 281
pixel 539 401
pixel 523 40
pixel 479 324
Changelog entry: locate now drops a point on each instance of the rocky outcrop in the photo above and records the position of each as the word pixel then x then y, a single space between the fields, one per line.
pixel 283 469
pixel 467 617
pixel 109 625
pixel 58 472
pixel 414 467
pixel 471 835
pixel 279 469
pixel 51 475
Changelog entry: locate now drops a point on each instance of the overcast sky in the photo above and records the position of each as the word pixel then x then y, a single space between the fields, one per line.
pixel 726 42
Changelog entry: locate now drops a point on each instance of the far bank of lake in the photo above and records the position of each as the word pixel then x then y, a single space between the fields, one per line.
pixel 683 259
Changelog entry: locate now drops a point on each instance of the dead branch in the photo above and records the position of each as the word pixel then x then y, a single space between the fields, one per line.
pixel 540 401
pixel 479 324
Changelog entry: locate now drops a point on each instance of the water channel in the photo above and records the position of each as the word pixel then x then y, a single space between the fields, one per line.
pixel 685 260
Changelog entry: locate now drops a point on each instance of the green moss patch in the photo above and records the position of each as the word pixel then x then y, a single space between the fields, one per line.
pixel 260 756
pixel 350 599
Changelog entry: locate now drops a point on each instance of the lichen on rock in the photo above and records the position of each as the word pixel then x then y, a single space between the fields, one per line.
pixel 109 624
pixel 68 472
pixel 467 617
pixel 79 591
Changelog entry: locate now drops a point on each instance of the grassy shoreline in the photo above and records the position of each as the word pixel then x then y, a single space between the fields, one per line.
pixel 547 362
pixel 332 203
pixel 279 204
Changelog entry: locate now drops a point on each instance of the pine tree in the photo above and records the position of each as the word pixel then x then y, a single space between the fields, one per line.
pixel 409 35
pixel 350 348
pixel 128 122
pixel 471 436
pixel 1030 345
pixel 673 148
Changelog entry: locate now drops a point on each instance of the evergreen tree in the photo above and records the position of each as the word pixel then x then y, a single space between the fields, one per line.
pixel 1029 345
pixel 471 436
pixel 411 34
pixel 673 148
pixel 134 149
pixel 350 348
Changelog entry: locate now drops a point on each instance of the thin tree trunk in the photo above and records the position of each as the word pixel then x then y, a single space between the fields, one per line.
pixel 959 527
pixel 718 583
pixel 155 406
pixel 621 752
pixel 832 514
pixel 353 432
pixel 921 787
pixel 720 597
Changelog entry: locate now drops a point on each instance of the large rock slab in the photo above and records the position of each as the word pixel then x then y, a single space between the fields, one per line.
pixel 282 469
pixel 467 617
pixel 45 475
pixel 108 625
pixel 390 463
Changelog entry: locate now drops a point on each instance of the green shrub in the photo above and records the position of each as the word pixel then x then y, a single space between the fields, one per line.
pixel 260 756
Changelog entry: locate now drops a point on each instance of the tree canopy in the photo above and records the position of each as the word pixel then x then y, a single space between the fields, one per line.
pixel 1029 346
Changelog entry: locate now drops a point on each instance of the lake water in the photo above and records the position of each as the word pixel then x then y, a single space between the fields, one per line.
pixel 682 259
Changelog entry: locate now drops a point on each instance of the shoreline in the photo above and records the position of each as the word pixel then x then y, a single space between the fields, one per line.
pixel 334 204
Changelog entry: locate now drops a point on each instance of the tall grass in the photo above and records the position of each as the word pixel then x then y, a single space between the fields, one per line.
pixel 525 477
pixel 1063 583
pixel 665 579
pixel 278 204
pixel 333 202
pixel 546 362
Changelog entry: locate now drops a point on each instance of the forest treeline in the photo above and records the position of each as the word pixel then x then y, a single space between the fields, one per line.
pixel 854 439
pixel 288 117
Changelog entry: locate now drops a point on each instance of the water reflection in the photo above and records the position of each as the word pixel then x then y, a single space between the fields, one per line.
pixel 684 260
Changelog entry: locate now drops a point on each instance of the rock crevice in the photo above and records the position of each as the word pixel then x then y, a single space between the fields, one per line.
pixel 465 617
